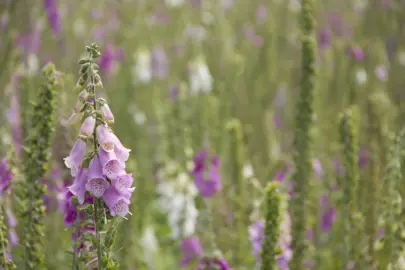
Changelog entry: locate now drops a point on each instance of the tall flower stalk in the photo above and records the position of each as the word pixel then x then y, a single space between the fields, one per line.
pixel 348 138
pixel 302 141
pixel 271 227
pixel 36 158
pixel 97 161
pixel 236 176
pixel 5 262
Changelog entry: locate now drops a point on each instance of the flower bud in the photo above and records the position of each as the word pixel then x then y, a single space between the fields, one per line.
pixel 106 113
pixel 88 126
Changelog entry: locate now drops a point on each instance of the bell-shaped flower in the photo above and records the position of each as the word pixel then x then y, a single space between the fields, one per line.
pixel 83 95
pixel 118 204
pixel 76 156
pixel 88 126
pixel 78 188
pixel 121 151
pixel 96 183
pixel 107 113
pixel 112 167
pixel 123 185
pixel 105 138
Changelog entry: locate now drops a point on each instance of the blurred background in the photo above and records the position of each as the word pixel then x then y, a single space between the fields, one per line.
pixel 175 73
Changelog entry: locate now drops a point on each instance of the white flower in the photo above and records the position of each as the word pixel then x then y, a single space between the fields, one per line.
pixel 142 69
pixel 361 76
pixel 200 78
pixel 174 3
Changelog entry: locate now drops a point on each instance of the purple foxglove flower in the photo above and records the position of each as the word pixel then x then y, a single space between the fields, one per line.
pixel 121 152
pixel 207 178
pixel 118 204
pixel 83 95
pixel 159 63
pixel 317 167
pixel 324 37
pixel 191 250
pixel 213 263
pixel 123 185
pixel 78 188
pixel 328 214
pixel 112 167
pixel 106 138
pixel 355 52
pixel 76 156
pixel 96 183
pixel 106 113
pixel 256 236
pixel 362 158
pixel 280 176
pixel 12 237
pixel 88 126
pixel 5 176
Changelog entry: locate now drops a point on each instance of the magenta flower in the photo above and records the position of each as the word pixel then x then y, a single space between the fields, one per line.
pixel 78 188
pixel 191 250
pixel 88 126
pixel 213 263
pixel 76 156
pixel 117 203
pixel 112 167
pixel 207 178
pixel 105 138
pixel 53 15
pixel 96 183
pixel 355 52
pixel 5 176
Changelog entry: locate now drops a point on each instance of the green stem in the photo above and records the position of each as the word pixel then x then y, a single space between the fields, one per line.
pixel 98 238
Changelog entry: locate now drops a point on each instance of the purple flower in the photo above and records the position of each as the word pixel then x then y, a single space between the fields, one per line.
pixel 355 52
pixel 118 204
pixel 362 158
pixel 76 156
pixel 107 113
pixel 78 188
pixel 279 176
pixel 11 223
pixel 29 43
pixel 53 15
pixel 112 167
pixel 256 236
pixel 381 72
pixel 159 63
pixel 123 185
pixel 207 178
pixel 324 37
pixel 108 57
pixel 328 216
pixel 207 263
pixel 96 183
pixel 191 249
pixel 105 138
pixel 5 177
pixel 317 167
pixel 88 126
pixel 120 151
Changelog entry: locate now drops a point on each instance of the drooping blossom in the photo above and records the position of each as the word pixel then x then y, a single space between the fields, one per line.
pixel 206 174
pixel 76 156
pixel 78 188
pixel 96 181
pixel 191 249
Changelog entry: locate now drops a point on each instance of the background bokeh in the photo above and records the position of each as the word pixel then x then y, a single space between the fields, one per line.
pixel 178 75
